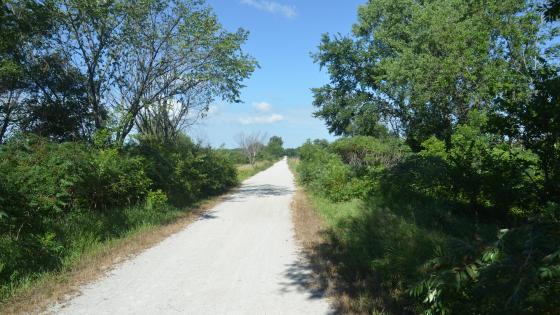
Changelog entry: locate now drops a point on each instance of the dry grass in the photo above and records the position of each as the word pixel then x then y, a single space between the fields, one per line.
pixel 57 287
pixel 309 229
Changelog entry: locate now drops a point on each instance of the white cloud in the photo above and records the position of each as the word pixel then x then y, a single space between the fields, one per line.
pixel 272 7
pixel 265 119
pixel 262 106
pixel 213 110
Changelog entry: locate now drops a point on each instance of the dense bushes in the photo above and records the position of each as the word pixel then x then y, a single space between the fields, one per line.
pixel 348 168
pixel 58 199
pixel 186 171
pixel 457 228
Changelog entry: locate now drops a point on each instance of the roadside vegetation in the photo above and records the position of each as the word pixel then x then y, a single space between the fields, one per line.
pixel 94 100
pixel 441 195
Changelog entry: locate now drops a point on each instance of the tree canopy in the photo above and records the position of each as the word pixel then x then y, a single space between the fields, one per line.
pixel 420 67
pixel 126 65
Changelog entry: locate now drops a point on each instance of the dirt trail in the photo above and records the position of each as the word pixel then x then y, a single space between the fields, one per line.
pixel 238 258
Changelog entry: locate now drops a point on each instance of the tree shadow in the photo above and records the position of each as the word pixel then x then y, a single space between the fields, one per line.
pixel 339 267
pixel 305 277
pixel 259 191
pixel 207 216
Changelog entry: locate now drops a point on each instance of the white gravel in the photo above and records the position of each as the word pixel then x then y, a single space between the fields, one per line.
pixel 239 258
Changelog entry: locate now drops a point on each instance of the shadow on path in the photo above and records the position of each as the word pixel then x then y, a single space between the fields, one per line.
pixel 265 190
pixel 302 277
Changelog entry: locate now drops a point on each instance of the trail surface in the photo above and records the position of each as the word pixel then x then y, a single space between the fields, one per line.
pixel 238 258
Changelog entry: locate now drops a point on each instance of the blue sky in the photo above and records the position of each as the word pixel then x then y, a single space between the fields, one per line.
pixel 277 99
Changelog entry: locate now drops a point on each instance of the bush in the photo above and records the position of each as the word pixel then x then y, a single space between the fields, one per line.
pixel 59 199
pixel 325 173
pixel 369 154
pixel 185 171
pixel 458 228
pixel 488 178
pixel 349 167
pixel 44 183
pixel 517 274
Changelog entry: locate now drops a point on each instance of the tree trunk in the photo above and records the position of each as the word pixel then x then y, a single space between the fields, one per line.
pixel 7 117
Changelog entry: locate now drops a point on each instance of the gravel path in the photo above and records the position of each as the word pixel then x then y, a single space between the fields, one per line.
pixel 238 258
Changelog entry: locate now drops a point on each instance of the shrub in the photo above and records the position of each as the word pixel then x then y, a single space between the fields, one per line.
pixel 425 240
pixel 325 173
pixel 156 200
pixel 44 184
pixel 115 180
pixel 59 199
pixel 491 179
pixel 185 171
pixel 371 154
pixel 519 273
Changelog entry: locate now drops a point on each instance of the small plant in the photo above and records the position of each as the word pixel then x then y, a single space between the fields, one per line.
pixel 156 200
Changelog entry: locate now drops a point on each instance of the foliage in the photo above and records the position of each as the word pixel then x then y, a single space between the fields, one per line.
pixel 274 149
pixel 369 154
pixel 421 66
pixel 517 274
pixel 173 59
pixel 57 199
pixel 468 224
pixel 478 174
pixel 536 123
pixel 23 24
pixel 552 10
pixel 456 229
pixel 234 155
pixel 185 171
pixel 76 78
pixel 154 65
pixel 56 102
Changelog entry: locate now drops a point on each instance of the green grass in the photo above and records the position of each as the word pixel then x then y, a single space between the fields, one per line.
pixel 333 213
pixel 374 251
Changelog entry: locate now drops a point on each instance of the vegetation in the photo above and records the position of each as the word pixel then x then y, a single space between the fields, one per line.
pixel 94 98
pixel 441 197
pixel 263 157
pixel 59 200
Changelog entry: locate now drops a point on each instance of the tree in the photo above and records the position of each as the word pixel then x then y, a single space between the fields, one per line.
pixel 24 25
pixel 251 144
pixel 180 59
pixel 274 147
pixel 552 10
pixel 420 67
pixel 536 124
pixel 55 104
pixel 139 58
pixel 90 34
